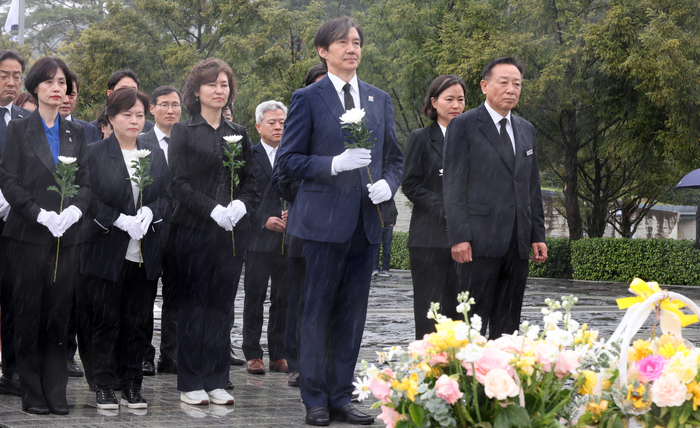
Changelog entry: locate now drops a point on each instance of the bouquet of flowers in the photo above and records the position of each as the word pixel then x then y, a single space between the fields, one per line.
pixel 457 378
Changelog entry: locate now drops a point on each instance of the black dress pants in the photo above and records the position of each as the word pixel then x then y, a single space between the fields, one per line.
pixel 120 326
pixel 434 277
pixel 7 327
pixel 259 267
pixel 295 309
pixel 42 308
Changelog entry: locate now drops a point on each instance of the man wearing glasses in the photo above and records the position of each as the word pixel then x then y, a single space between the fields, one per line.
pixel 166 106
pixel 11 70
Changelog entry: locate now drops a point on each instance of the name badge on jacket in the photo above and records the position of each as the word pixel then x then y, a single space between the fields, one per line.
pixel 528 153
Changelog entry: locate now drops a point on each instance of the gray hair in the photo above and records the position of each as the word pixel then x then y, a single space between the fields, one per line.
pixel 271 105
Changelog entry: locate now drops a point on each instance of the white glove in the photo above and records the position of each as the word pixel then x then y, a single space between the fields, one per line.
pixel 222 218
pixel 50 220
pixel 145 217
pixel 130 225
pixel 68 218
pixel 6 215
pixel 236 210
pixel 4 206
pixel 350 159
pixel 379 192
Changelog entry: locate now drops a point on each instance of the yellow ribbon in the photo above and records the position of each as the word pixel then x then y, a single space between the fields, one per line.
pixel 643 290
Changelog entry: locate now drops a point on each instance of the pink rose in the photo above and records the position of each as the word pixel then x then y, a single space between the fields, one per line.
pixel 388 371
pixel 567 363
pixel 668 391
pixel 389 416
pixel 380 389
pixel 498 384
pixel 546 356
pixel 650 367
pixel 511 343
pixel 440 358
pixel 492 359
pixel 419 348
pixel 447 389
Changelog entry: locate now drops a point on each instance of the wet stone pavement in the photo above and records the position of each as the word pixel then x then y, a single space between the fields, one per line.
pixel 266 401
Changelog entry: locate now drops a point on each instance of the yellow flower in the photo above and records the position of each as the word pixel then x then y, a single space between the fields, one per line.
pixel 597 408
pixel 408 384
pixel 668 350
pixel 636 396
pixel 640 349
pixel 590 380
pixel 445 336
pixel 694 393
pixel 585 336
pixel 682 367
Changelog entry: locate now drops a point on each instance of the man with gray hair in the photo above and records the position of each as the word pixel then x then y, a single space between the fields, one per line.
pixel 265 258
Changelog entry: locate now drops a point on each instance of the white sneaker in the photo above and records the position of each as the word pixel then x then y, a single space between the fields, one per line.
pixel 194 397
pixel 220 396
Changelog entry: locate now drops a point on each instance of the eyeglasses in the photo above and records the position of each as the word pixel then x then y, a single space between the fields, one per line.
pixel 5 76
pixel 166 106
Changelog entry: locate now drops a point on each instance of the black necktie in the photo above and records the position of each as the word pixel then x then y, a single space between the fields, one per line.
pixel 349 102
pixel 3 128
pixel 507 144
pixel 167 140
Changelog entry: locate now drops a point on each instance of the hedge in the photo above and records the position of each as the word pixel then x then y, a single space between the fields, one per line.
pixel 399 251
pixel 665 261
pixel 558 263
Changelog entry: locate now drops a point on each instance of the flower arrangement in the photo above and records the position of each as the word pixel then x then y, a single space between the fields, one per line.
pixel 141 179
pixel 66 169
pixel 455 377
pixel 232 148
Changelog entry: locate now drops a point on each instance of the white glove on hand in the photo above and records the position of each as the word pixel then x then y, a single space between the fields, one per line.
pixel 6 215
pixel 222 218
pixel 4 206
pixel 236 210
pixel 350 159
pixel 145 217
pixel 50 220
pixel 130 225
pixel 379 192
pixel 68 218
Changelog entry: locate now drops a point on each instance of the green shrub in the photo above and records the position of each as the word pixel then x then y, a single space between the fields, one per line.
pixel 558 263
pixel 399 251
pixel 665 261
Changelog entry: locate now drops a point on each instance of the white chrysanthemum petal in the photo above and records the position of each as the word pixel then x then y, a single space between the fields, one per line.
pixel 352 116
pixel 67 159
pixel 233 138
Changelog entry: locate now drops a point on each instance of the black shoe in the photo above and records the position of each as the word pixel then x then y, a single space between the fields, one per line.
pixel 132 398
pixel 58 410
pixel 148 368
pixel 167 365
pixel 318 416
pixel 106 400
pixel 9 386
pixel 235 361
pixel 229 385
pixel 37 410
pixel 349 414
pixel 73 369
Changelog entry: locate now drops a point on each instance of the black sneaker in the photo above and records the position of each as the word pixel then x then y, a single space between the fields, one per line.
pixel 106 400
pixel 132 398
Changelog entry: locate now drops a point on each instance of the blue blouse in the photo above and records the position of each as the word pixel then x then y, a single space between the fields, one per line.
pixel 52 135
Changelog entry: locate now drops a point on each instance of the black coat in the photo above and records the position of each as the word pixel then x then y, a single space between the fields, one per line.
pixel 92 134
pixel 422 185
pixel 26 171
pixel 199 181
pixel 112 195
pixel 261 238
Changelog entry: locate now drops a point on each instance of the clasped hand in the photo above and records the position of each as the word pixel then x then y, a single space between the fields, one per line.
pixel 59 223
pixel 228 217
pixel 132 225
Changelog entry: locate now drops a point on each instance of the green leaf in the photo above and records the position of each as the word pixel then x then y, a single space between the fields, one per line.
pixel 501 420
pixel 417 414
pixel 518 416
pixel 685 414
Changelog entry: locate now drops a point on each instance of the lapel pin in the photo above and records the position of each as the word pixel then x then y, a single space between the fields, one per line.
pixel 70 139
pixel 370 99
pixel 67 131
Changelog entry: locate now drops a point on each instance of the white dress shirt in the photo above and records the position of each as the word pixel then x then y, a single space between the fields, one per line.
pixel 271 152
pixel 497 118
pixel 338 83
pixel 160 135
pixel 443 129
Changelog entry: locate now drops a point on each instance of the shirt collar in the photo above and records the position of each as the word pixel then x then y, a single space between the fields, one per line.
pixel 443 129
pixel 8 107
pixel 159 134
pixel 338 83
pixel 54 128
pixel 268 148
pixel 69 118
pixel 495 115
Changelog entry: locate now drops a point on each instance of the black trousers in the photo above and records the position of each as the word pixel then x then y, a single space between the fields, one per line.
pixel 295 309
pixel 42 308
pixel 209 274
pixel 7 326
pixel 497 284
pixel 434 277
pixel 120 326
pixel 261 266
pixel 84 314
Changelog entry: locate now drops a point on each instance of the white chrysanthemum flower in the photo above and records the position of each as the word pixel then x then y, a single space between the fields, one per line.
pixel 470 353
pixel 476 322
pixel 67 159
pixel 233 138
pixel 362 388
pixel 560 338
pixel 461 331
pixel 352 116
pixel 142 153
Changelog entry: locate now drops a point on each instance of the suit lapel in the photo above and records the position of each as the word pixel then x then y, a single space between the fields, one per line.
pixel 488 128
pixel 327 92
pixel 436 138
pixel 36 138
pixel 16 113
pixel 261 158
pixel 121 172
pixel 520 143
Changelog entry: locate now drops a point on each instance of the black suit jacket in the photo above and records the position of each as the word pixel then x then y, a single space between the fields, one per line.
pixel 92 134
pixel 112 195
pixel 422 185
pixel 263 239
pixel 484 196
pixel 26 171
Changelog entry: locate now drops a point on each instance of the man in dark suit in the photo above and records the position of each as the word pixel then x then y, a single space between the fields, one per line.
pixel 493 199
pixel 335 213
pixel 166 107
pixel 68 106
pixel 265 259
pixel 11 69
pixel 125 78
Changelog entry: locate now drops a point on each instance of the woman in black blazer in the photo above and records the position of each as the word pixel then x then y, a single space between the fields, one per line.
pixel 205 215
pixel 432 268
pixel 122 256
pixel 42 304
